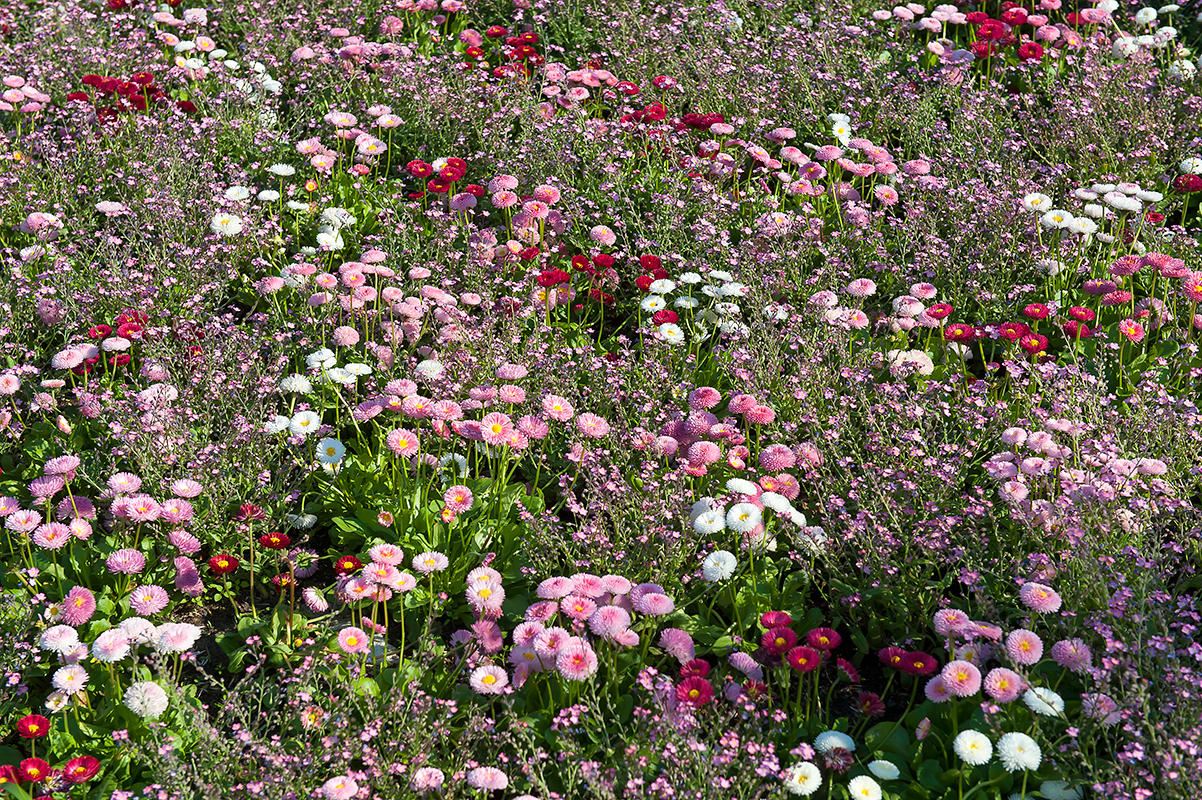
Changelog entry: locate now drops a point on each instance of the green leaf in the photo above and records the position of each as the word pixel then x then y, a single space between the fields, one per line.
pixel 367 687
pixel 9 756
pixel 930 774
pixel 888 737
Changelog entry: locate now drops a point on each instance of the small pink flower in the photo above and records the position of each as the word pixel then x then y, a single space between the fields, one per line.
pixel 961 678
pixel 592 425
pixel 1003 685
pixel 353 641
pixel 1072 654
pixel 1039 598
pixel 1024 647
pixel 489 679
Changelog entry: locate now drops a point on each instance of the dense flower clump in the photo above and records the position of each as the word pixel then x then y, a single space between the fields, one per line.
pixel 534 401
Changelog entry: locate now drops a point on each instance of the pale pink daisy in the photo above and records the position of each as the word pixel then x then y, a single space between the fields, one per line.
pixel 496 428
pixel 402 442
pixel 592 426
pixel 1039 598
pixel 489 679
pixel 1024 647
pixel 386 554
pixel 961 678
pixel 458 499
pixel 353 641
pixel 430 562
pixel 576 660
pixel 148 599
pixel 1003 685
pixel 487 779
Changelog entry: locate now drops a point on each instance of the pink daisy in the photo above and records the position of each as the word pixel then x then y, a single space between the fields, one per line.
pixel 592 425
pixel 961 678
pixel 458 499
pixel 936 690
pixel 576 661
pixel 1024 647
pixel 495 428
pixel 1039 598
pixel 487 779
pixel 489 679
pixel 1072 654
pixel 353 641
pixel 148 599
pixel 608 621
pixel 402 442
pixel 1003 685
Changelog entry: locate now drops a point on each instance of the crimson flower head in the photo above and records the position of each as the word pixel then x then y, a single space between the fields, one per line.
pixel 803 658
pixel 80 769
pixel 664 315
pixel 644 282
pixel 916 663
pixel 33 726
pixel 8 774
pixel 1030 51
pixel 32 770
pixel 419 169
pixel 603 260
pixel 776 619
pixel 870 703
pixel 553 277
pixel 581 264
pixel 99 331
pixel 1187 184
pixel 778 641
pixel 754 689
pixel 496 32
pixel 282 581
pixel 131 315
pixel 698 667
pixel 1077 330
pixel 1016 15
pixel 991 30
pixel 976 17
pixel 275 540
pixel 1013 331
pixel 891 656
pixel 694 691
pixel 1036 311
pixel 650 263
pixel 848 669
pixel 248 512
pixel 347 565
pixel 1082 314
pixel 1033 343
pixel 824 638
pixel 940 311
pixel 959 332
pixel 222 564
pixel 982 48
pixel 474 189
